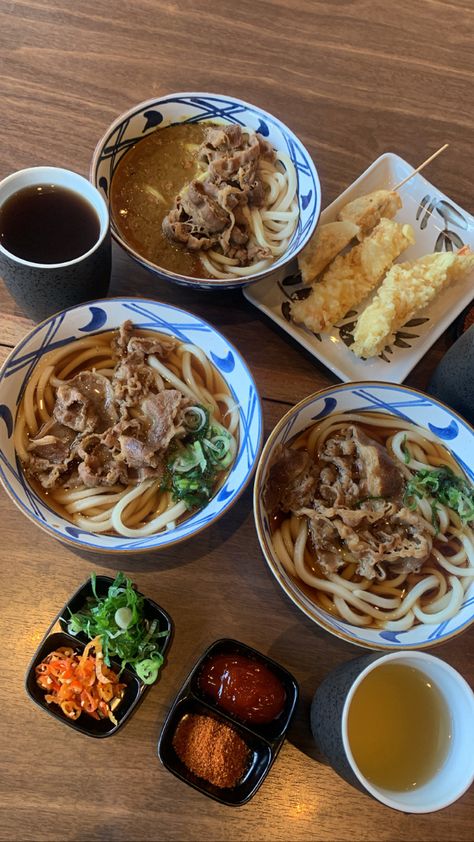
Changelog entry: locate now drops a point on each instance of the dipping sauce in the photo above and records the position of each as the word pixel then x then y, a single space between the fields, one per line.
pixel 45 223
pixel 243 687
pixel 212 750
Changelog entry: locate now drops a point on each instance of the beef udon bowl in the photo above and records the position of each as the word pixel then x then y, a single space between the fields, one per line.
pixel 126 425
pixel 206 190
pixel 364 509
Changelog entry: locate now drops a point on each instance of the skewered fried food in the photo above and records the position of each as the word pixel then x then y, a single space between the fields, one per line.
pixel 325 244
pixel 407 288
pixel 367 211
pixel 352 276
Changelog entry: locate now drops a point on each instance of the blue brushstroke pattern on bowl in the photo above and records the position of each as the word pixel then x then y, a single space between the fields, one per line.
pixel 98 316
pixel 155 114
pixel 412 405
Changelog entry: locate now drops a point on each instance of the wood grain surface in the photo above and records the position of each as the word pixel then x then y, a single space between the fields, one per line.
pixel 352 78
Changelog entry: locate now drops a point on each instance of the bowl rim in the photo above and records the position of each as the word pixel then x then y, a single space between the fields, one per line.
pixel 188 280
pixel 78 544
pixel 281 579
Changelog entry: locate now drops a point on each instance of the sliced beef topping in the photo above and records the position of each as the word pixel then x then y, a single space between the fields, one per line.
pixel 53 442
pixel 86 403
pixel 356 467
pixel 351 496
pixel 105 431
pixel 291 481
pixel 384 536
pixel 97 464
pixel 133 379
pixel 208 212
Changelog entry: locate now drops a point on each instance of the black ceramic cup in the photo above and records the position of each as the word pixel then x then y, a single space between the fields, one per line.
pixel 329 725
pixel 453 379
pixel 41 289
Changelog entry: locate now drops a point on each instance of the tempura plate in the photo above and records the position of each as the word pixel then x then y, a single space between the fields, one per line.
pixel 439 224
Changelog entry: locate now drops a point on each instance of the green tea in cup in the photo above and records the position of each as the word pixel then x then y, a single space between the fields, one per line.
pixel 399 727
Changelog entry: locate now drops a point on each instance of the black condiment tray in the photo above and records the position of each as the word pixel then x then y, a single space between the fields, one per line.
pixel 264 740
pixel 57 636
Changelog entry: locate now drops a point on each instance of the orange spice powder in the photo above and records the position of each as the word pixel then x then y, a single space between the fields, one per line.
pixel 211 749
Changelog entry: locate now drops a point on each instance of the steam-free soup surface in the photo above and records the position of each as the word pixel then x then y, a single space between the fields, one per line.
pixel 144 186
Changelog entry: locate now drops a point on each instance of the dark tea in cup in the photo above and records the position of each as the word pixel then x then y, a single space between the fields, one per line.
pixel 48 223
pixel 55 249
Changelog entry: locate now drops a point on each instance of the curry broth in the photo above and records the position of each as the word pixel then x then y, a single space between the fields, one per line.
pixel 143 189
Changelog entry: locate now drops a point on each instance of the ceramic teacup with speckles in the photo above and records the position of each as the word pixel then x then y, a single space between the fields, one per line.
pixel 447 718
pixel 43 288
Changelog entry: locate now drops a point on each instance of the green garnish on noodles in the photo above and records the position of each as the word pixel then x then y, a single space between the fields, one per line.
pixel 445 487
pixel 195 463
pixel 125 633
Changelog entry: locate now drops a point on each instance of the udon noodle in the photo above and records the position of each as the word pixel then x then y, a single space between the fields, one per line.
pixel 393 599
pixel 270 227
pixel 143 504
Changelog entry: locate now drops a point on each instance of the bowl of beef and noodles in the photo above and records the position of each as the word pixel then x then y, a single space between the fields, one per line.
pixel 207 190
pixel 364 508
pixel 126 425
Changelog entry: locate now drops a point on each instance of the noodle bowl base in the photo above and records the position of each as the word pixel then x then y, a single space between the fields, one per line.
pixel 95 318
pixel 398 401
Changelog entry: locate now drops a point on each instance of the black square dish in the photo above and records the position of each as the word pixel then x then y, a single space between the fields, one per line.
pixel 263 740
pixel 276 727
pixel 260 756
pixel 79 601
pixel 136 688
pixel 85 724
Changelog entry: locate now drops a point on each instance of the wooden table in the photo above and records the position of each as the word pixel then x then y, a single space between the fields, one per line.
pixel 352 79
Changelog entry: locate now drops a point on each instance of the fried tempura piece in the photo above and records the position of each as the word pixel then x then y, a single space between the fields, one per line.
pixel 325 244
pixel 352 276
pixel 407 288
pixel 367 211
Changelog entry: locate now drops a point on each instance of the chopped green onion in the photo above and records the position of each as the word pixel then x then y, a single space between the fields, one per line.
pixel 445 487
pixel 123 617
pixel 195 418
pixel 405 451
pixel 119 619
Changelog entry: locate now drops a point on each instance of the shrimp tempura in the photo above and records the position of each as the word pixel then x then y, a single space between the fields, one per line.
pixel 352 276
pixel 407 288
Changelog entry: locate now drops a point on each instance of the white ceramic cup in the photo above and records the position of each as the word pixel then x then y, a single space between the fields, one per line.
pixel 329 719
pixel 41 289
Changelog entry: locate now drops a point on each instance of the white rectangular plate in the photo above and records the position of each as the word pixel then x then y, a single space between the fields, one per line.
pixel 430 213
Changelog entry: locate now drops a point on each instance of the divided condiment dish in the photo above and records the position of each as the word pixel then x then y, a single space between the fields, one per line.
pixel 57 636
pixel 263 740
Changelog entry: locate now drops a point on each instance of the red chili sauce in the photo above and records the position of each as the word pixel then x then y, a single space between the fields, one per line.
pixel 243 687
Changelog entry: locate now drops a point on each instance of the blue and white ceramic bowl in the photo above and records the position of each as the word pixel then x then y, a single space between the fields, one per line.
pixel 154 114
pixel 96 317
pixel 401 401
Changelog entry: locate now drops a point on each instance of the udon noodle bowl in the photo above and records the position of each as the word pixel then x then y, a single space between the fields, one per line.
pixel 206 200
pixel 126 432
pixel 372 518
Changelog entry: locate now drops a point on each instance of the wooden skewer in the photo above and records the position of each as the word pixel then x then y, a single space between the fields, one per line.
pixel 421 167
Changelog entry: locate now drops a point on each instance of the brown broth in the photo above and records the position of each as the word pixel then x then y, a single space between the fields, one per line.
pixel 160 164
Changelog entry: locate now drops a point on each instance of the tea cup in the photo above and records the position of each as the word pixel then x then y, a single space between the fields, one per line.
pixel 41 289
pixel 330 711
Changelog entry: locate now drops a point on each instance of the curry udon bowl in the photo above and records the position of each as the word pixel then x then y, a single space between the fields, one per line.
pixel 193 109
pixel 94 320
pixel 441 592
